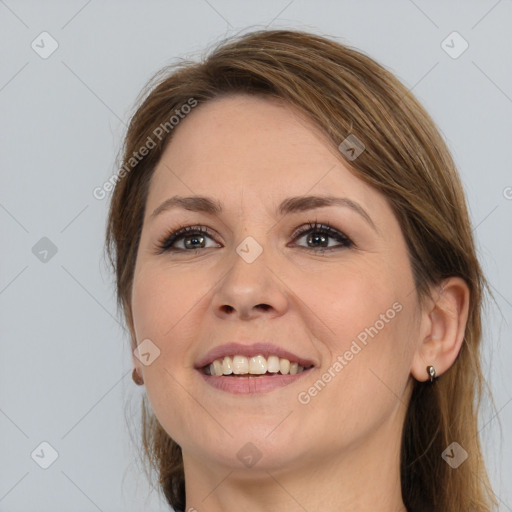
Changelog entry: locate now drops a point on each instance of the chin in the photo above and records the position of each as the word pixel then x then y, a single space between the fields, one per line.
pixel 254 447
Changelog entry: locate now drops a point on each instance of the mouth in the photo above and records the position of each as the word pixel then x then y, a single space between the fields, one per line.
pixel 255 366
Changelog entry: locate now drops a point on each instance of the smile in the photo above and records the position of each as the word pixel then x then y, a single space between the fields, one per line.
pixel 256 366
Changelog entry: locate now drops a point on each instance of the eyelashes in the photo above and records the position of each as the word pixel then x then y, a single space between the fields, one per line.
pixel 166 243
pixel 194 238
pixel 326 231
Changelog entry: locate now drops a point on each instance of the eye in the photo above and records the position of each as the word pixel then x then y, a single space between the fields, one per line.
pixel 186 238
pixel 317 237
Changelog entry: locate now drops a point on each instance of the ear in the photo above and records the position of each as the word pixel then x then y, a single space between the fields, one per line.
pixel 133 338
pixel 443 325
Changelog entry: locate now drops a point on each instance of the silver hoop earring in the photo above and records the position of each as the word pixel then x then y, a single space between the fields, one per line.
pixel 431 373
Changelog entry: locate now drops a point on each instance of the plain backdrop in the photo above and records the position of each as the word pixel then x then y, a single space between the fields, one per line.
pixel 65 366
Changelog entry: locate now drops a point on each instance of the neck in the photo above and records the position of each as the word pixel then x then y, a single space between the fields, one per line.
pixel 363 478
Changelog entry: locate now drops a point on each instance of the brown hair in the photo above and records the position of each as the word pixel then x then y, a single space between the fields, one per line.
pixel 344 92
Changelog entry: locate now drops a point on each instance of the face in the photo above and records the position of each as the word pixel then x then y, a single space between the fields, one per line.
pixel 325 285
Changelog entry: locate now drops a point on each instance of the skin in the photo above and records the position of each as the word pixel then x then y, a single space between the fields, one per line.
pixel 341 450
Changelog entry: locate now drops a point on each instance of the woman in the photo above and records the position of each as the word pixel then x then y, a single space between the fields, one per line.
pixel 297 269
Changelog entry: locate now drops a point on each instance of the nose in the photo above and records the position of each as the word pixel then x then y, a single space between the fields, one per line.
pixel 250 290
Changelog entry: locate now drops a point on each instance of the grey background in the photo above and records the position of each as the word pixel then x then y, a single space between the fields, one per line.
pixel 65 362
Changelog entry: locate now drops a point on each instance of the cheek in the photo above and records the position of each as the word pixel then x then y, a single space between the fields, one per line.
pixel 350 300
pixel 161 300
pixel 365 379
pixel 163 303
pixel 364 322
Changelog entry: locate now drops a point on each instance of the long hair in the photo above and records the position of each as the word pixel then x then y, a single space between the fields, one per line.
pixel 345 93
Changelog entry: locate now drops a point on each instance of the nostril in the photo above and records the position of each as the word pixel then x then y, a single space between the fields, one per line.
pixel 226 308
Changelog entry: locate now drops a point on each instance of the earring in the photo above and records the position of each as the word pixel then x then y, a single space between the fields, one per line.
pixel 137 378
pixel 431 373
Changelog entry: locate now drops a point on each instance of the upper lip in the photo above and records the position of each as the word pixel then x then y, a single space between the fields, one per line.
pixel 254 349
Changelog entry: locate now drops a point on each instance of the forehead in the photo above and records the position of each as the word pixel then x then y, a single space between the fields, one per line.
pixel 243 128
pixel 241 146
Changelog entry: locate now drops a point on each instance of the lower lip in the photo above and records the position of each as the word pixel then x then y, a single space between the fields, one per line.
pixel 245 384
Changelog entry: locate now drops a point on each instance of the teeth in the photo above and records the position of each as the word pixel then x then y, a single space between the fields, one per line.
pixel 284 366
pixel 240 365
pixel 257 365
pixel 273 364
pixel 216 368
pixel 227 366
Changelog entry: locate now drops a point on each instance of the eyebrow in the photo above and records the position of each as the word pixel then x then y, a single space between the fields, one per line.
pixel 290 205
